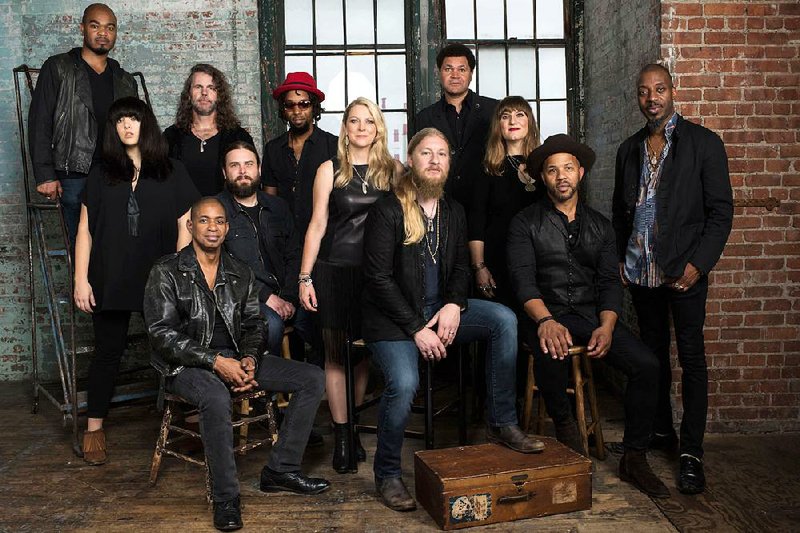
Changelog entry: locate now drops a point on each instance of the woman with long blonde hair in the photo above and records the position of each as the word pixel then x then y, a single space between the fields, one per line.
pixel 503 191
pixel 344 190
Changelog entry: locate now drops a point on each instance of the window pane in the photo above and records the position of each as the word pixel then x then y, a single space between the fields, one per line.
pixel 522 72
pixel 397 134
pixel 492 71
pixel 392 82
pixel 460 19
pixel 490 19
pixel 549 19
pixel 298 22
pixel 391 22
pixel 361 77
pixel 330 122
pixel 520 19
pixel 329 23
pixel 360 22
pixel 330 78
pixel 554 118
pixel 552 73
pixel 298 64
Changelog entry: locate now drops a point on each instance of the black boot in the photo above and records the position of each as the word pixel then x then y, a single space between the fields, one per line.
pixel 568 433
pixel 341 447
pixel 361 453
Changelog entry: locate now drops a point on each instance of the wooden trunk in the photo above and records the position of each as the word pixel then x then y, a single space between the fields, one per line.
pixel 489 483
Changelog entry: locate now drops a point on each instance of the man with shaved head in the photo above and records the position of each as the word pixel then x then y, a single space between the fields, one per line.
pixel 68 112
pixel 201 309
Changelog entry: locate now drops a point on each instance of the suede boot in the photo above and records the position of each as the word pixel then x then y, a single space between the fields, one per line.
pixel 634 468
pixel 568 433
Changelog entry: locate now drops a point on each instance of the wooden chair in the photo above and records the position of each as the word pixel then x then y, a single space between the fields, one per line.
pixel 582 386
pixel 286 353
pixel 177 409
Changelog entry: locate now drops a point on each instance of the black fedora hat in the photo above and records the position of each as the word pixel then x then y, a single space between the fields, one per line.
pixel 560 144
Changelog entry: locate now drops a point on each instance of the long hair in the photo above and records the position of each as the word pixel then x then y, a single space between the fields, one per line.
pixel 226 114
pixel 152 145
pixel 406 191
pixel 380 161
pixel 496 149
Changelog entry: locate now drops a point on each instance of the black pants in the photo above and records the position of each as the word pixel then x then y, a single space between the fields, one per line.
pixel 110 340
pixel 688 318
pixel 627 353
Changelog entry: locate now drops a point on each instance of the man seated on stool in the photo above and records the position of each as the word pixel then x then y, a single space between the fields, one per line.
pixel 416 273
pixel 563 265
pixel 202 315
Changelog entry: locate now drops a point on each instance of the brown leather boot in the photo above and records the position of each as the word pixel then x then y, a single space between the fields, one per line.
pixel 514 438
pixel 94 447
pixel 634 468
pixel 394 494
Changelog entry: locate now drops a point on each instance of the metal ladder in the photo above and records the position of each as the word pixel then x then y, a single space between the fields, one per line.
pixel 40 214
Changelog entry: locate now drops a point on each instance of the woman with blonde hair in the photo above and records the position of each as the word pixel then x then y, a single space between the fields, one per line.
pixel 344 190
pixel 504 190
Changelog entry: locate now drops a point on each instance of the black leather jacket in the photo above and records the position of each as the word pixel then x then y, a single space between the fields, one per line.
pixel 275 228
pixel 61 121
pixel 179 311
pixel 583 279
pixel 394 274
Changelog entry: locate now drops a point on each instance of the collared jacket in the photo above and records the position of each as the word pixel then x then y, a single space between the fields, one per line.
pixel 694 201
pixel 274 233
pixel 582 279
pixel 394 273
pixel 179 311
pixel 61 121
pixel 466 159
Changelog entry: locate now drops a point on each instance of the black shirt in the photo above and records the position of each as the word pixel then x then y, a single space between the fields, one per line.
pixel 102 97
pixel 253 213
pixel 221 338
pixel 456 120
pixel 295 179
pixel 200 159
pixel 430 242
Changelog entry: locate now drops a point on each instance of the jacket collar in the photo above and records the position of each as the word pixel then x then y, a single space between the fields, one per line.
pixel 234 208
pixel 187 262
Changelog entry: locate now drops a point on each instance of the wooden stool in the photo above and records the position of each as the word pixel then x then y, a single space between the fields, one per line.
pixel 174 404
pixel 582 385
pixel 286 353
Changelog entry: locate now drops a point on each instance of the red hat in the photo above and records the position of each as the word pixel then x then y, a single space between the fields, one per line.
pixel 299 81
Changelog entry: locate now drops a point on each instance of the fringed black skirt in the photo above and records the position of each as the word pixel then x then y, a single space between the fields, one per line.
pixel 338 289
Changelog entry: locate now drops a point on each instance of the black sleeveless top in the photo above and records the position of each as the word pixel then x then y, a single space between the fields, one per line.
pixel 348 206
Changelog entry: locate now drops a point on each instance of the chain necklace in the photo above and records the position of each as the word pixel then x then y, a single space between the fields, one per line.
pixel 363 181
pixel 433 251
pixel 652 157
pixel 530 186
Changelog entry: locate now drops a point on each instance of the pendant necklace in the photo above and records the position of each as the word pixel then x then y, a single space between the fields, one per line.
pixel 530 186
pixel 433 251
pixel 652 157
pixel 363 181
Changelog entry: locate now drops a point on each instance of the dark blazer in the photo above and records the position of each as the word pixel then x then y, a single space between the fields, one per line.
pixel 394 274
pixel 694 201
pixel 466 160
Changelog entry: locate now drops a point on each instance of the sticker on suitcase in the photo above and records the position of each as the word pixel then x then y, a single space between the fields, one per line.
pixel 474 508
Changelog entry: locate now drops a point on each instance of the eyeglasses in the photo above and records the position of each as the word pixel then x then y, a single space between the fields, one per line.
pixel 302 104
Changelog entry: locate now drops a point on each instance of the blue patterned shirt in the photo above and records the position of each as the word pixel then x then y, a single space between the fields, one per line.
pixel 641 267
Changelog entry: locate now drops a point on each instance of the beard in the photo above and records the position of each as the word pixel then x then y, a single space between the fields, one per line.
pixel 242 190
pixel 99 50
pixel 204 112
pixel 299 130
pixel 555 194
pixel 428 187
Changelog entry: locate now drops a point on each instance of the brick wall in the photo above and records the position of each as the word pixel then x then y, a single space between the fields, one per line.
pixel 162 40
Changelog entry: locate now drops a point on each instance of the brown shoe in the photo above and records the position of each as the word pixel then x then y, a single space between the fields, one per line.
pixel 394 494
pixel 634 468
pixel 94 447
pixel 514 438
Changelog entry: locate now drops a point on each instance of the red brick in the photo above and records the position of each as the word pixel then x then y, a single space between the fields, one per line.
pixel 787 400
pixel 781 165
pixel 752 79
pixel 737 250
pixel 743 137
pixel 729 264
pixel 761 373
pixel 696 23
pixel 771 23
pixel 702 52
pixel 744 222
pixel 771 319
pixel 779 137
pixel 759 9
pixel 782 80
pixel 779 51
pixel 717 8
pixel 715 23
pixel 691 66
pixel 728 94
pixel 745 108
pixel 771 263
pixel 738 306
pixel 736 23
pixel 738 413
pixel 760 347
pixel 741 333
pixel 784 332
pixel 790 8
pixel 781 249
pixel 682 9
pixel 723 37
pixel 722 123
pixel 743 52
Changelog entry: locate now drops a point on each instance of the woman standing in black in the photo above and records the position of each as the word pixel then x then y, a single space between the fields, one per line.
pixel 135 208
pixel 503 191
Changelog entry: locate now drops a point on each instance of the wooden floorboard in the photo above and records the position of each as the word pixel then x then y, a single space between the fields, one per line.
pixel 753 485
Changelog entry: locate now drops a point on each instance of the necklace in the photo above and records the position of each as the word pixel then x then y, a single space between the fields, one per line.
pixel 652 157
pixel 363 181
pixel 530 186
pixel 203 136
pixel 432 250
pixel 135 174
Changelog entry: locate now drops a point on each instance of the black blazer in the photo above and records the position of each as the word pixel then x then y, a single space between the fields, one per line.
pixel 466 160
pixel 694 201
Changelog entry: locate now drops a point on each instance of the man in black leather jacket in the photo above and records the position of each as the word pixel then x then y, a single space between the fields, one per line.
pixel 68 112
pixel 562 261
pixel 202 316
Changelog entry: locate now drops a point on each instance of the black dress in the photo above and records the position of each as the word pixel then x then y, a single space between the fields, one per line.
pixel 120 263
pixel 495 202
pixel 337 272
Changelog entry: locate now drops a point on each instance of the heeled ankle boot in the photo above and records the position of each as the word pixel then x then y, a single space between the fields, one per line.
pixel 361 453
pixel 341 445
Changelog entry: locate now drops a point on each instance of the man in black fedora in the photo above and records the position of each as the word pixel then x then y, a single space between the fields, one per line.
pixel 563 265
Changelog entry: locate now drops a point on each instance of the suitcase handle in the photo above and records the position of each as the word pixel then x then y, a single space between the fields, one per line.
pixel 516 499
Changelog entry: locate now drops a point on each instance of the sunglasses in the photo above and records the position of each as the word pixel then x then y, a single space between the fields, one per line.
pixel 302 104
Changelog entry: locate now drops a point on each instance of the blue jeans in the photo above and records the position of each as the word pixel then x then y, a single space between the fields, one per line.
pixel 275 326
pixel 71 192
pixel 397 360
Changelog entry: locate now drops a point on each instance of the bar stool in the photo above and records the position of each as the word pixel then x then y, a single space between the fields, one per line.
pixel 286 353
pixel 177 407
pixel 582 386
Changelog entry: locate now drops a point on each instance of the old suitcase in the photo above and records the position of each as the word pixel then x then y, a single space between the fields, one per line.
pixel 477 485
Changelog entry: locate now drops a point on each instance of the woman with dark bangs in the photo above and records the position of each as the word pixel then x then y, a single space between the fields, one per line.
pixel 503 191
pixel 135 208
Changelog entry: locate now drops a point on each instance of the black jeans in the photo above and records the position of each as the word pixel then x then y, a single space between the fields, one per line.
pixel 627 353
pixel 211 395
pixel 688 317
pixel 110 340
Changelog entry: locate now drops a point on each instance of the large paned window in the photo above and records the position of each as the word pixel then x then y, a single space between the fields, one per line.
pixel 521 49
pixel 352 48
